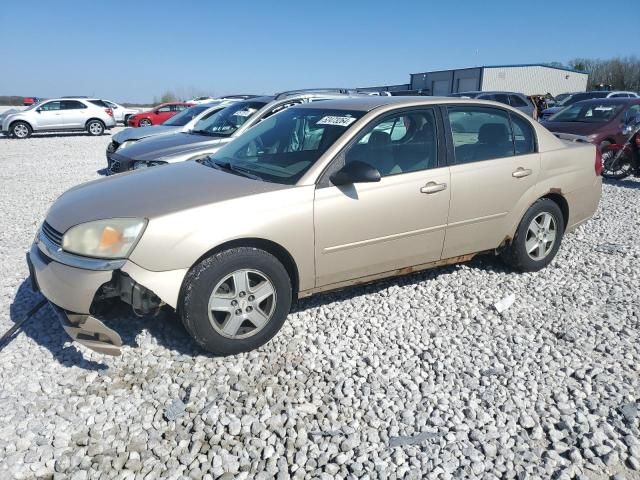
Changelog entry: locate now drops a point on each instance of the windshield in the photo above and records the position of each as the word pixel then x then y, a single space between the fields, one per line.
pixel 225 122
pixel 591 112
pixel 283 147
pixel 185 116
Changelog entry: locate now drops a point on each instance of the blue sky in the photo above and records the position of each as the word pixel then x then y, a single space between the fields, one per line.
pixel 135 50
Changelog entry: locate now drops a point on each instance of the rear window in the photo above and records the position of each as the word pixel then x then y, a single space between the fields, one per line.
pixel 99 103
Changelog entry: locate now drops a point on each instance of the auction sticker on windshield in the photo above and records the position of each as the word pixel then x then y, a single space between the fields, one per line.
pixel 338 121
pixel 244 113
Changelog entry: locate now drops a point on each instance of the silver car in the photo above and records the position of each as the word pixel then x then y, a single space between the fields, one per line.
pixel 60 114
pixel 211 134
pixel 516 100
pixel 182 122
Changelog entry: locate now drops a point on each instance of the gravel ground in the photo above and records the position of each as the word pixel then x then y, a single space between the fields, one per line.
pixel 418 377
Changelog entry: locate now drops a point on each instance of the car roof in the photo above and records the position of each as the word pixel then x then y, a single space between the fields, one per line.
pixel 367 102
pixel 478 92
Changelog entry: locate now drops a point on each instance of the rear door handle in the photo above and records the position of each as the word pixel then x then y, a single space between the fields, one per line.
pixel 522 172
pixel 433 187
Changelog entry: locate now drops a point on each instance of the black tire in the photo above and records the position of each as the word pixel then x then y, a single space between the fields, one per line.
pixel 145 122
pixel 622 168
pixel 95 128
pixel 206 275
pixel 20 130
pixel 515 254
pixel 126 120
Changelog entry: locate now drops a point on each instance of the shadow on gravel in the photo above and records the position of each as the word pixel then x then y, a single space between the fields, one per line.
pixel 45 329
pixel 166 329
pixel 37 136
pixel 486 263
pixel 626 183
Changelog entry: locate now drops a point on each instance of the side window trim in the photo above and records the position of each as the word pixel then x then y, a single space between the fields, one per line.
pixel 441 156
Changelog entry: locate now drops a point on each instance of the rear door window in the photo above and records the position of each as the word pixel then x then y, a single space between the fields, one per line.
pixel 72 105
pixel 480 133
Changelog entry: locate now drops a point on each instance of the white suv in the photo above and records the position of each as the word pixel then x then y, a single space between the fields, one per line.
pixel 60 114
pixel 121 113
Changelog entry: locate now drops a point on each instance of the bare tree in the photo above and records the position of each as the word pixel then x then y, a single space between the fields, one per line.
pixel 622 73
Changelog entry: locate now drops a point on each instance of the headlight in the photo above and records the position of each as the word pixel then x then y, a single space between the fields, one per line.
pixel 126 144
pixel 145 164
pixel 112 238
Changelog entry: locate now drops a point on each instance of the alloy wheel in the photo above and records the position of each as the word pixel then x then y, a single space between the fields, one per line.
pixel 541 236
pixel 21 131
pixel 95 128
pixel 242 304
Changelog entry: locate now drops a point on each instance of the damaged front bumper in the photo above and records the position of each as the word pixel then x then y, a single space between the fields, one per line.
pixel 76 286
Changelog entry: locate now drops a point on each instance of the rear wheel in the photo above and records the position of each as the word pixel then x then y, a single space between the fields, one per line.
pixel 537 239
pixel 145 122
pixel 20 130
pixel 126 120
pixel 236 300
pixel 95 127
pixel 616 164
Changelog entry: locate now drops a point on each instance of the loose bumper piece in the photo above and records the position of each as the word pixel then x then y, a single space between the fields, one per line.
pixel 90 332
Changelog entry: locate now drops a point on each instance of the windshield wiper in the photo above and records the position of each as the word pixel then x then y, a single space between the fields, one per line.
pixel 203 132
pixel 220 165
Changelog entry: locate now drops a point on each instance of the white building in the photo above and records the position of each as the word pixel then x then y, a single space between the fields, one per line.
pixel 532 79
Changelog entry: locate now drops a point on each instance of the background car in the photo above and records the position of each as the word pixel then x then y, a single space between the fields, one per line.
pixel 209 135
pixel 599 120
pixel 564 100
pixel 182 122
pixel 199 100
pixel 120 113
pixel 157 115
pixel 516 100
pixel 62 114
pixel 28 101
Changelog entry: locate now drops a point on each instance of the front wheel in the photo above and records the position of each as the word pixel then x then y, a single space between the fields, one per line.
pixel 145 122
pixel 20 130
pixel 95 128
pixel 236 300
pixel 537 239
pixel 616 164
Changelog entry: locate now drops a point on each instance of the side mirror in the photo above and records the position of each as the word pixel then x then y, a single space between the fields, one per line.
pixel 355 172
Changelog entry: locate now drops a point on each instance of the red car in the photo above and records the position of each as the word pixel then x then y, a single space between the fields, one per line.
pixel 28 101
pixel 600 120
pixel 157 115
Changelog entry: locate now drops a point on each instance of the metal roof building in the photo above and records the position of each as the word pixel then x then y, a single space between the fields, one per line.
pixel 530 79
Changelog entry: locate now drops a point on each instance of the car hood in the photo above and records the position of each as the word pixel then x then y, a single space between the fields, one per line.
pixel 576 128
pixel 151 193
pixel 155 148
pixel 142 132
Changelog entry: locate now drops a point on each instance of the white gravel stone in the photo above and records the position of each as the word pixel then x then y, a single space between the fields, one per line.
pixel 546 389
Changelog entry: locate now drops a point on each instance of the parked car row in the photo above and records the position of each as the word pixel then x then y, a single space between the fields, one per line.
pixel 298 193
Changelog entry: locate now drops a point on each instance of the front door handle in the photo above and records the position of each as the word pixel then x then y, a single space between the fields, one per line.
pixel 433 187
pixel 521 172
